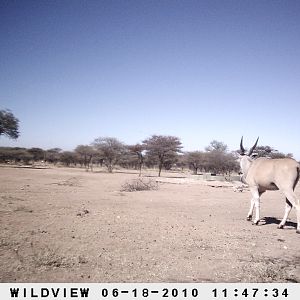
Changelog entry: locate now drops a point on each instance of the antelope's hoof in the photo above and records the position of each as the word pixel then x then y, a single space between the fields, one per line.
pixel 280 226
pixel 249 218
pixel 255 223
pixel 298 231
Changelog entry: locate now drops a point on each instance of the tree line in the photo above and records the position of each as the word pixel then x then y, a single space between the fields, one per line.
pixel 163 152
pixel 157 151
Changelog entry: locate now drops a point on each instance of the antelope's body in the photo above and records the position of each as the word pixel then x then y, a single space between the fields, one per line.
pixel 265 174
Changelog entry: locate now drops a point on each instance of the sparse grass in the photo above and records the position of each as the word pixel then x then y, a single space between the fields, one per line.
pixel 23 209
pixel 4 243
pixel 69 182
pixel 268 270
pixel 9 198
pixel 139 185
pixel 49 258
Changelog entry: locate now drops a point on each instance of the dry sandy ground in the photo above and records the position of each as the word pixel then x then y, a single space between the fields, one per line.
pixel 68 225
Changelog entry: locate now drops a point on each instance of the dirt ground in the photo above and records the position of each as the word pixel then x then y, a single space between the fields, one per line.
pixel 69 225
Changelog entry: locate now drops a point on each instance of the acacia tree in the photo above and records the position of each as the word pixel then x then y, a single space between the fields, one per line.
pixel 160 147
pixel 9 124
pixel 111 149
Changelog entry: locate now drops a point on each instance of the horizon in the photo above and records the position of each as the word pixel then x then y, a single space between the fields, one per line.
pixel 74 71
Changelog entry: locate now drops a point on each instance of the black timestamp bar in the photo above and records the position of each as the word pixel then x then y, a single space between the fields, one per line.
pixel 150 291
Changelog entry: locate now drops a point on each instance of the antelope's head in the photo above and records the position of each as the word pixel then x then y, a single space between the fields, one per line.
pixel 245 157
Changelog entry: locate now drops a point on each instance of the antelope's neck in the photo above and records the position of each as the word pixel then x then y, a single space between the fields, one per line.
pixel 245 165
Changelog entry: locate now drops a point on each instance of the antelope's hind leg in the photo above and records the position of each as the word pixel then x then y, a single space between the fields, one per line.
pixel 294 201
pixel 288 207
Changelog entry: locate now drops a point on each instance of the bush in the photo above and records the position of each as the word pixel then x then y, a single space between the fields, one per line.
pixel 139 185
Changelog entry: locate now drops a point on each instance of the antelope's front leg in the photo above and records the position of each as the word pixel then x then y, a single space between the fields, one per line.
pixel 257 208
pixel 298 218
pixel 250 213
pixel 255 203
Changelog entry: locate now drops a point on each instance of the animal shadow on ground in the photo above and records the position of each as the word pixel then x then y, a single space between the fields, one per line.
pixel 272 220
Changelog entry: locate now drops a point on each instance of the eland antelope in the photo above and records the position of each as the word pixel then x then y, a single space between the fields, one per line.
pixel 263 174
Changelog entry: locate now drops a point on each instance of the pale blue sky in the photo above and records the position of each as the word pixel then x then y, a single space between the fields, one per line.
pixel 72 71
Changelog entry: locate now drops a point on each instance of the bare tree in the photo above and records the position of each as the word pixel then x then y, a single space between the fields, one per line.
pixel 111 149
pixel 86 154
pixel 53 155
pixel 9 124
pixel 37 153
pixel 170 160
pixel 68 158
pixel 138 149
pixel 217 146
pixel 160 147
pixel 16 155
pixel 268 151
pixel 218 160
pixel 196 160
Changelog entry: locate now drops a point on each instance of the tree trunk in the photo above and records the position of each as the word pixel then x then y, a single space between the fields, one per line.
pixel 161 163
pixel 159 169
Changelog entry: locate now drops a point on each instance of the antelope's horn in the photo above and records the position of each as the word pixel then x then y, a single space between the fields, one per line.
pixel 241 147
pixel 251 149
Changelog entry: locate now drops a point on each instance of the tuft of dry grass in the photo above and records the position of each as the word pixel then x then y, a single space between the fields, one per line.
pixel 139 185
pixel 49 258
pixel 23 209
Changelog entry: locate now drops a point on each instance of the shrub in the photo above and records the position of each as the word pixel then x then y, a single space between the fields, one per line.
pixel 139 185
